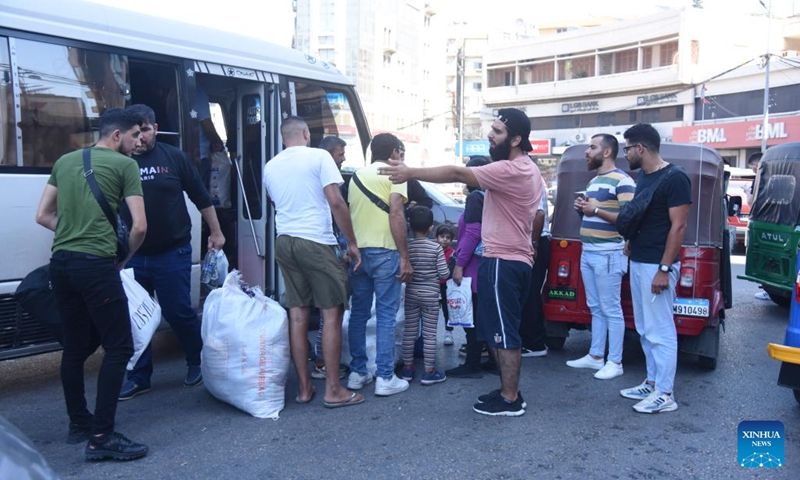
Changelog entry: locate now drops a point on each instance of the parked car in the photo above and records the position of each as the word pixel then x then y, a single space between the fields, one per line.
pixel 19 459
pixel 445 208
pixel 740 186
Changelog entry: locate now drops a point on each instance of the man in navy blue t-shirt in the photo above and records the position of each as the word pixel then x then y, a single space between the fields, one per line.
pixel 163 264
pixel 655 264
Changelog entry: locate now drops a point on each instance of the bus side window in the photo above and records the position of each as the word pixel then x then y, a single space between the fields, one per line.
pixel 327 112
pixel 156 85
pixel 8 145
pixel 63 92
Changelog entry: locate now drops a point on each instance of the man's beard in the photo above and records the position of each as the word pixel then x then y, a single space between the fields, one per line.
pixel 595 163
pixel 635 163
pixel 501 151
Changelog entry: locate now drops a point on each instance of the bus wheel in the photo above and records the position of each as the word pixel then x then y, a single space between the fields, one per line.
pixel 556 343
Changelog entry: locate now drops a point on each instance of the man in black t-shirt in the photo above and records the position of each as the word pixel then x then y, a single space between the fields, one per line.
pixel 163 264
pixel 655 265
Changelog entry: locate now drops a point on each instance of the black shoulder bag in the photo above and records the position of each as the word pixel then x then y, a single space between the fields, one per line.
pixel 372 197
pixel 631 216
pixel 116 223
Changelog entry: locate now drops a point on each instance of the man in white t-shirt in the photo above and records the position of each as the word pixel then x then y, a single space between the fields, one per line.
pixel 303 183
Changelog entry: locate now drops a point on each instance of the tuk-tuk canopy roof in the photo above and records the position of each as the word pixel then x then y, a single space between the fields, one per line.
pixel 702 164
pixel 777 191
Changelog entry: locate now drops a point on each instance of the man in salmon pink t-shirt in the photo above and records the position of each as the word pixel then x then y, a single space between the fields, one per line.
pixel 513 188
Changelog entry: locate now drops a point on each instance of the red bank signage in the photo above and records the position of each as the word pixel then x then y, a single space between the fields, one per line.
pixel 540 146
pixel 740 134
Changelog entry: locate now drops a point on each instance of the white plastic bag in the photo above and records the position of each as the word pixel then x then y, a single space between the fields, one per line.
pixel 459 303
pixel 245 357
pixel 372 346
pixel 220 182
pixel 145 313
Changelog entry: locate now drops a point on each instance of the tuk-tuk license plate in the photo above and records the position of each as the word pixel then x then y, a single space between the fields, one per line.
pixel 690 307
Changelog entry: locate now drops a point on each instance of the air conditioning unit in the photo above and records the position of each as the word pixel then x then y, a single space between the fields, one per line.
pixel 789 53
pixel 579 137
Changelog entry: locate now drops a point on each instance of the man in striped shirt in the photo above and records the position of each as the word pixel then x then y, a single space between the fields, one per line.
pixel 603 263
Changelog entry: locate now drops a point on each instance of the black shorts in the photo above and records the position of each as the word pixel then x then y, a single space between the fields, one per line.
pixel 504 286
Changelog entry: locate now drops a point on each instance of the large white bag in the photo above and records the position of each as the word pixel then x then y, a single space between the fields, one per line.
pixel 245 356
pixel 459 303
pixel 145 313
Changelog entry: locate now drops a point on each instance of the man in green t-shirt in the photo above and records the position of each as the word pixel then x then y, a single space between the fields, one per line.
pixel 85 278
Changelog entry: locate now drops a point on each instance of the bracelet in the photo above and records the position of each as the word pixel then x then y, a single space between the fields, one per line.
pixel 596 210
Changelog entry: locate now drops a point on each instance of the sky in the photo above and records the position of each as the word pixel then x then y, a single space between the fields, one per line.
pixel 273 20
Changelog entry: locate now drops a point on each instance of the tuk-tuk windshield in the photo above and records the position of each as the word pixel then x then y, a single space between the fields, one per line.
pixel 777 192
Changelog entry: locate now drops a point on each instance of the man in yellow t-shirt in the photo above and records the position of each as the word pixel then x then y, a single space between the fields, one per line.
pixel 379 223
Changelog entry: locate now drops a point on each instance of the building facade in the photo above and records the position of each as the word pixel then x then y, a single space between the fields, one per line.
pixel 649 70
pixel 391 50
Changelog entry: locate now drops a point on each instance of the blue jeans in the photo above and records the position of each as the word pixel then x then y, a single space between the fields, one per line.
pixel 94 311
pixel 602 274
pixel 376 277
pixel 169 276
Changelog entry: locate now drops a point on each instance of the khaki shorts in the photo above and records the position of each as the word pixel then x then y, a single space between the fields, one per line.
pixel 311 272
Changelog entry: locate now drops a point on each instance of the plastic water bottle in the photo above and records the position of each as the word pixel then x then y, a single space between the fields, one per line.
pixel 209 267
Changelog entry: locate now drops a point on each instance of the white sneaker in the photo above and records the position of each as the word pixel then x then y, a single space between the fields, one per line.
pixel 586 361
pixel 448 338
pixel 657 402
pixel 639 392
pixel 356 381
pixel 384 388
pixel 525 353
pixel 762 295
pixel 610 370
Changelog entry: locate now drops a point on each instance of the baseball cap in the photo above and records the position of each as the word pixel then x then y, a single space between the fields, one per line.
pixel 517 123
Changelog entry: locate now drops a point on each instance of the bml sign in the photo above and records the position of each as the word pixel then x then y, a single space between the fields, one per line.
pixel 740 134
pixel 472 148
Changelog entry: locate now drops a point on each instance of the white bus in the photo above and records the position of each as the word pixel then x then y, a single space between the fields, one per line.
pixel 62 63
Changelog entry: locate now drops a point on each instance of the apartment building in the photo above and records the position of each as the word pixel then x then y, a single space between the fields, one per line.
pixel 650 69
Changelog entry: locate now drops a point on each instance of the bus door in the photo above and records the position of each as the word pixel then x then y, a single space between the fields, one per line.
pixel 255 222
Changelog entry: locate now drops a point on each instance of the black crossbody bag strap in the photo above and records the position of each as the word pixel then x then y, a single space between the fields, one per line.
pixel 98 195
pixel 372 197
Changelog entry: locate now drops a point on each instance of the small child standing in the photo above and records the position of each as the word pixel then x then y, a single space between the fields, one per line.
pixel 444 235
pixel 422 296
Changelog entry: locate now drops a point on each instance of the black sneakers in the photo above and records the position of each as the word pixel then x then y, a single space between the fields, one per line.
pixel 78 434
pixel 493 404
pixel 464 371
pixel 194 376
pixel 115 446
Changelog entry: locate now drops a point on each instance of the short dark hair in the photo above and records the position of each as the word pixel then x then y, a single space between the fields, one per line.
pixel 330 143
pixel 118 119
pixel 383 144
pixel 645 134
pixel 142 110
pixel 420 219
pixel 478 161
pixel 754 158
pixel 609 141
pixel 446 229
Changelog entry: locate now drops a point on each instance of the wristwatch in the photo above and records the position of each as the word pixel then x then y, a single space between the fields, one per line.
pixel 596 209
pixel 665 268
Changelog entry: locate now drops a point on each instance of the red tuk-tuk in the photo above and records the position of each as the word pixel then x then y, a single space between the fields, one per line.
pixel 704 285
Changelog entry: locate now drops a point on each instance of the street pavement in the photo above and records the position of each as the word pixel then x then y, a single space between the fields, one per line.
pixel 574 427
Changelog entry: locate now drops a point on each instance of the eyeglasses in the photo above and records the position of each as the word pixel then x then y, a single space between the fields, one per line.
pixel 625 149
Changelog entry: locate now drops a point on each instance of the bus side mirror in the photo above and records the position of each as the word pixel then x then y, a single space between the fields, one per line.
pixel 734 206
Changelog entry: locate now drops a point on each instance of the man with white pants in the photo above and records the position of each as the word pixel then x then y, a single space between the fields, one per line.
pixel 603 263
pixel 654 252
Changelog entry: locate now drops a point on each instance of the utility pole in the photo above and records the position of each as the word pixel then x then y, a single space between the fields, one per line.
pixel 460 101
pixel 765 126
